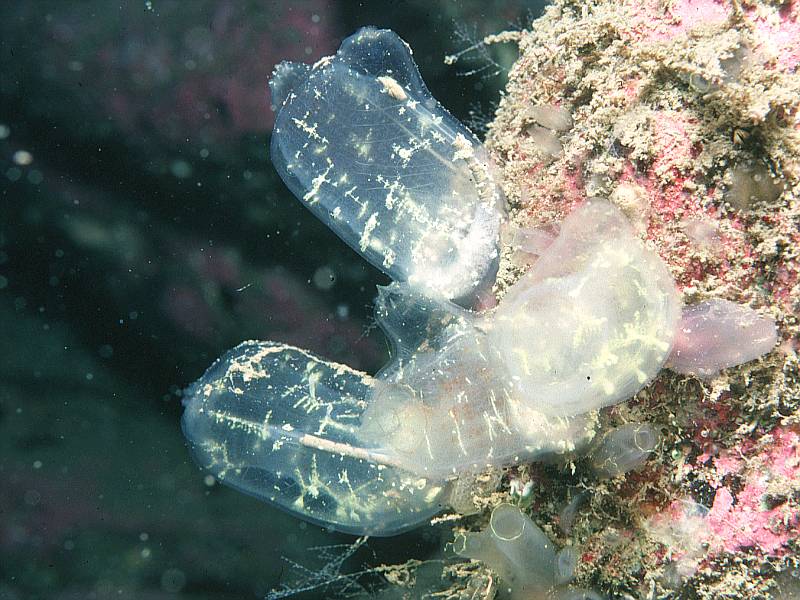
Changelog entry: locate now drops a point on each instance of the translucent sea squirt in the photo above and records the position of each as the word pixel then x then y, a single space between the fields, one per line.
pixel 362 143
pixel 622 449
pixel 280 424
pixel 521 555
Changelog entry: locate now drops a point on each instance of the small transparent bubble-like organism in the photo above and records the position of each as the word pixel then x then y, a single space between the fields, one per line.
pixel 521 555
pixel 361 141
pixel 622 449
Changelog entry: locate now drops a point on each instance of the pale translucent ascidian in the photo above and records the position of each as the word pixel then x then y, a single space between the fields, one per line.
pixel 519 552
pixel 280 424
pixel 361 142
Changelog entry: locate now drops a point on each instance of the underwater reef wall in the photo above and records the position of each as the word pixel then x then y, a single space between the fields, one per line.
pixel 685 115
